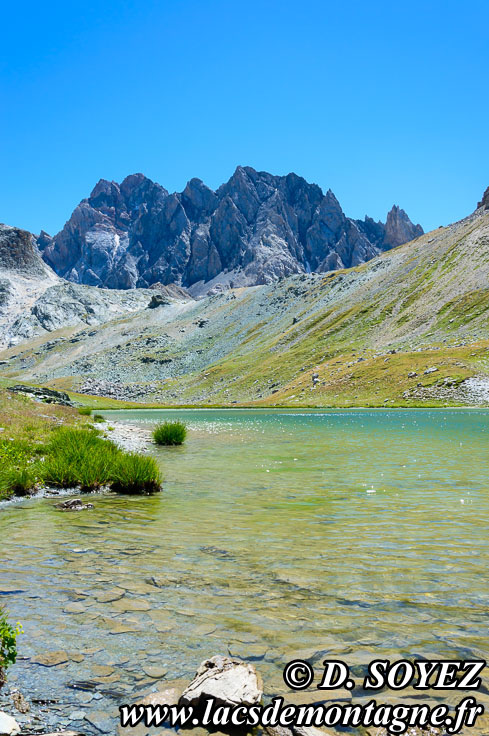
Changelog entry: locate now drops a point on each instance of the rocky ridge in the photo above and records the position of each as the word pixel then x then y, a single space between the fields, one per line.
pixel 255 229
pixel 34 300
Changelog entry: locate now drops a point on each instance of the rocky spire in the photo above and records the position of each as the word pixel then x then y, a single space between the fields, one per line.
pixel 399 229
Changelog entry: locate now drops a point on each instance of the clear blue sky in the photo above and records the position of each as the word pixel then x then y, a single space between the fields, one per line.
pixel 384 102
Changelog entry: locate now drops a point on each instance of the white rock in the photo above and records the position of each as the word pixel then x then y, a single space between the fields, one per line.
pixel 8 725
pixel 228 680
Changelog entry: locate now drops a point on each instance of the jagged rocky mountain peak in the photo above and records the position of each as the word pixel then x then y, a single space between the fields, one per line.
pixel 253 229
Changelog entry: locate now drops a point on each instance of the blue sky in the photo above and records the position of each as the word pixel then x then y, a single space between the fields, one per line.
pixel 382 102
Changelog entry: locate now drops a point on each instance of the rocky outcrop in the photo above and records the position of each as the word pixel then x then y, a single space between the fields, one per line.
pixel 24 277
pixel 34 299
pixel 47 395
pixel 254 229
pixel 19 253
pixel 67 305
pixel 484 203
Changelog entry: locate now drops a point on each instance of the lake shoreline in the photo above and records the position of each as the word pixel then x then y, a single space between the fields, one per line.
pixel 129 437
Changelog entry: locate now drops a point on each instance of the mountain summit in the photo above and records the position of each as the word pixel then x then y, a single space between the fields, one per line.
pixel 254 229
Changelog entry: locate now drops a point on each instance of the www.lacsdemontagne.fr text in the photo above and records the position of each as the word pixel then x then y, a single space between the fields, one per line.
pixel 395 718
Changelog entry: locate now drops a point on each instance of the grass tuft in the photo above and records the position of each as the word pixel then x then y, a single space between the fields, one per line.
pixel 79 457
pixel 170 433
pixel 135 473
pixel 17 481
pixel 85 411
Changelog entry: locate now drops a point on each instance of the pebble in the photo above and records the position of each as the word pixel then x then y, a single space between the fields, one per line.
pixel 155 672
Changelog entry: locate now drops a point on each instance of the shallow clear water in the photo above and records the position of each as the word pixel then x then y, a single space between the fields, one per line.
pixel 278 534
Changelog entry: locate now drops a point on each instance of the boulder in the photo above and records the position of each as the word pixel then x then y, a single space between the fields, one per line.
pixel 8 725
pixel 230 681
pixel 168 696
pixel 158 300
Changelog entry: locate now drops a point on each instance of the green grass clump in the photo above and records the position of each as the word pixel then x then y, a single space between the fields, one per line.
pixel 98 418
pixel 80 457
pixel 17 481
pixel 19 467
pixel 170 433
pixel 85 411
pixel 135 473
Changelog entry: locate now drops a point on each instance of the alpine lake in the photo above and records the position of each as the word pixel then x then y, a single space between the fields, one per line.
pixel 278 535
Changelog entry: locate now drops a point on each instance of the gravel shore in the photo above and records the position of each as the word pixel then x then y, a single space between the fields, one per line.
pixel 130 437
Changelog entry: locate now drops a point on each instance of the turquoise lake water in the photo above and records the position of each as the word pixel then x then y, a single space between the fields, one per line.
pixel 278 534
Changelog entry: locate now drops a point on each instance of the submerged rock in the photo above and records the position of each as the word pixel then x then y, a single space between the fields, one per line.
pixel 74 504
pixel 20 703
pixel 51 659
pixel 63 733
pixel 230 681
pixel 170 695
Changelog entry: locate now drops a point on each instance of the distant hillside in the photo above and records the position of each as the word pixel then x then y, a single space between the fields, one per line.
pixel 254 229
